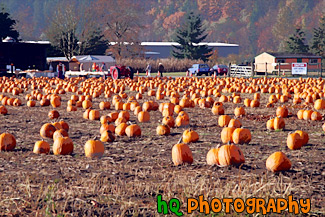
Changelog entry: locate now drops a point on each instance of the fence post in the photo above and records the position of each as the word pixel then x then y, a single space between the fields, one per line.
pixel 321 68
pixel 279 70
pixel 253 68
pixel 266 69
pixel 229 67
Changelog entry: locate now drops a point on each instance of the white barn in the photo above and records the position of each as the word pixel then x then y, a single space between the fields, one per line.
pixel 161 50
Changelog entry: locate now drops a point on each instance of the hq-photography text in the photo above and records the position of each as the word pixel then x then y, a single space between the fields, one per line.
pixel 238 205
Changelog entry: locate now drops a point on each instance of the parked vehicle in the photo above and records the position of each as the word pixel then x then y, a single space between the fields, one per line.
pixel 199 69
pixel 118 72
pixel 219 69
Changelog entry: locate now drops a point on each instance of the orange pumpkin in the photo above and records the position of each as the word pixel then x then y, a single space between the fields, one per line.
pixel 230 155
pixel 190 136
pixel 282 112
pixel 120 129
pixel 60 133
pixel 86 104
pixel 239 111
pixel 304 136
pixel 316 116
pixel 300 114
pixel 226 134
pixel 143 116
pixel 107 136
pixel 7 142
pixel 241 136
pixel 104 105
pixel 55 101
pixel 277 162
pixel 223 120
pixel 181 154
pixel 47 131
pixel 270 124
pixel 64 125
pixel 94 115
pixel 319 104
pixel 31 103
pixel 53 114
pixel 163 130
pixel 294 141
pixel 279 123
pixel 63 146
pixel 170 121
pixel 133 130
pixel 94 149
pixel 234 123
pixel 212 157
pixel 3 110
pixel 41 147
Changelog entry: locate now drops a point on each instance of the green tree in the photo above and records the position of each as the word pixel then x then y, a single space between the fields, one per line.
pixel 188 37
pixel 296 42
pixel 7 26
pixel 94 44
pixel 318 43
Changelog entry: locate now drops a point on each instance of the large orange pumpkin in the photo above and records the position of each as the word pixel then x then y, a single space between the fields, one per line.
pixel 94 149
pixel 241 136
pixel 230 155
pixel 41 147
pixel 7 142
pixel 47 131
pixel 133 130
pixel 63 146
pixel 277 162
pixel 181 154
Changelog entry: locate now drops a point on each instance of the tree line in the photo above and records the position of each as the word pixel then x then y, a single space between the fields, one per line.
pixel 76 30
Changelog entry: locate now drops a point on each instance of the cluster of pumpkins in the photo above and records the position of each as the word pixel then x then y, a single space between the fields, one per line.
pixel 197 92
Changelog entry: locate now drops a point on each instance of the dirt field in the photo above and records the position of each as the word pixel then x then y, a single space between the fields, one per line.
pixel 132 172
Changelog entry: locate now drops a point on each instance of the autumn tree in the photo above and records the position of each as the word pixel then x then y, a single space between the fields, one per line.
pixel 62 31
pixel 318 43
pixel 72 34
pixel 121 24
pixel 296 42
pixel 188 37
pixel 7 26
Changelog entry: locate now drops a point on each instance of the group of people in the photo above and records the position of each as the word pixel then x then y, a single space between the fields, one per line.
pixel 161 69
pixel 95 67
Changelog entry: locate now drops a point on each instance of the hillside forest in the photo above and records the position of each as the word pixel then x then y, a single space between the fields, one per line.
pixel 256 26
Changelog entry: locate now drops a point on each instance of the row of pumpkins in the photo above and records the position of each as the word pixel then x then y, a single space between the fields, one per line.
pixel 181 153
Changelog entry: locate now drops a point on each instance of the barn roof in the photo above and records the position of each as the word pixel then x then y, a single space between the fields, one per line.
pixel 292 55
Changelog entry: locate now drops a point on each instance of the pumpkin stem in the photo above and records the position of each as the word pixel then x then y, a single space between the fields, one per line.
pixel 180 140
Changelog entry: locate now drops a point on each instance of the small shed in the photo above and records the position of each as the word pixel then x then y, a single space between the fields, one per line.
pixel 270 61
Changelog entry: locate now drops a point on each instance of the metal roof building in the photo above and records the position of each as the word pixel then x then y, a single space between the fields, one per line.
pixel 161 50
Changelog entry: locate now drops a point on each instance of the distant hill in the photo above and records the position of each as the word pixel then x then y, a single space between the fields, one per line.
pixel 255 25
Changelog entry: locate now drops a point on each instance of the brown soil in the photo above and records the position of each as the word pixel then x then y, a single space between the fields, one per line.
pixel 133 171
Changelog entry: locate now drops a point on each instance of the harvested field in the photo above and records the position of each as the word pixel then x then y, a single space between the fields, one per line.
pixel 133 171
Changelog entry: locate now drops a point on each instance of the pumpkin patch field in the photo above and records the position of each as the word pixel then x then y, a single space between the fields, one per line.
pixel 95 147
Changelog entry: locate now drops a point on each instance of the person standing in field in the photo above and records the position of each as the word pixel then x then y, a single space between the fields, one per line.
pixel 148 70
pixel 161 69
pixel 59 69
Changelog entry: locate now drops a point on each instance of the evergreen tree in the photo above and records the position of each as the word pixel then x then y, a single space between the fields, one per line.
pixel 296 42
pixel 188 36
pixel 318 44
pixel 7 26
pixel 94 44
